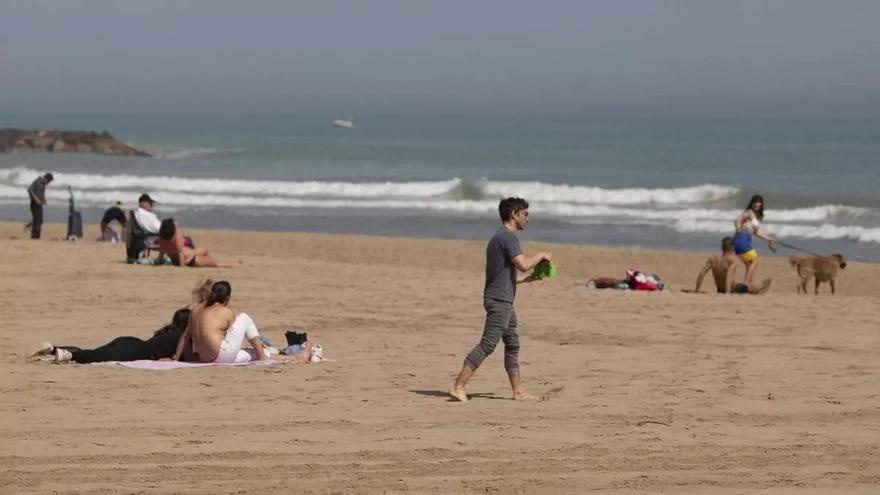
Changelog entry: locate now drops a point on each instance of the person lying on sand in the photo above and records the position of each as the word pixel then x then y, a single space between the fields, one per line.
pixel 723 268
pixel 161 345
pixel 171 243
pixel 218 334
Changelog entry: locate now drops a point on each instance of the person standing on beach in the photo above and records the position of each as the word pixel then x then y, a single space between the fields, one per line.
pixel 37 193
pixel 503 258
pixel 748 225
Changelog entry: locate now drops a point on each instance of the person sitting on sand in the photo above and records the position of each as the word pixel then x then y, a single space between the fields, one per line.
pixel 723 268
pixel 171 243
pixel 161 345
pixel 218 334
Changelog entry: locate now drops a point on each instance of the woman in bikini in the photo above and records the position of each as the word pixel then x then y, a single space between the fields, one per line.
pixel 171 243
pixel 747 225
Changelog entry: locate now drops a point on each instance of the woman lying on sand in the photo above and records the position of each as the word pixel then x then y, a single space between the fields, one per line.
pixel 217 334
pixel 171 244
pixel 161 345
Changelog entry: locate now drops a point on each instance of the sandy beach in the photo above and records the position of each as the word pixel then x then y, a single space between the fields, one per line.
pixel 646 392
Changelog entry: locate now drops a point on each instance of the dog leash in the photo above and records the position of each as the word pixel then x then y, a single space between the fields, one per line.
pixel 795 248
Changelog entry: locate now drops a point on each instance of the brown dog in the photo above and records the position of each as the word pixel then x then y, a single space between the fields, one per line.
pixel 820 268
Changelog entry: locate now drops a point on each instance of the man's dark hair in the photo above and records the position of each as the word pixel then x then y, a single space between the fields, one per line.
pixel 167 229
pixel 727 244
pixel 220 293
pixel 49 177
pixel 509 206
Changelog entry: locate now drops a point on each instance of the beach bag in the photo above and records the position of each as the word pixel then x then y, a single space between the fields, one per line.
pixel 74 218
pixel 296 338
pixel 640 281
pixel 74 225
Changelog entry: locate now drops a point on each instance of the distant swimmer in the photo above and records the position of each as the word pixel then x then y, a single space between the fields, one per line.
pixel 723 268
pixel 503 258
pixel 747 225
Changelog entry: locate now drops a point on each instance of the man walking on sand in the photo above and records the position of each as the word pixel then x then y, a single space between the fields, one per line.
pixel 503 258
pixel 37 193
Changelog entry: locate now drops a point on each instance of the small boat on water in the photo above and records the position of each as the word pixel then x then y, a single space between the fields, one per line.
pixel 344 123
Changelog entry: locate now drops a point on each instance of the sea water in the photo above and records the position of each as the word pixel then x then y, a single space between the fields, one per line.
pixel 641 183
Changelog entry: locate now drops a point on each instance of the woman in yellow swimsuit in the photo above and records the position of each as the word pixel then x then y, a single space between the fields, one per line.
pixel 748 225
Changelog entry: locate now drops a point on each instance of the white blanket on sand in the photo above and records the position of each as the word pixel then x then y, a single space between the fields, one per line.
pixel 146 364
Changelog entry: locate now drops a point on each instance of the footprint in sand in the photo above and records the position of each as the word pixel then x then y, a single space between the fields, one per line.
pixel 552 393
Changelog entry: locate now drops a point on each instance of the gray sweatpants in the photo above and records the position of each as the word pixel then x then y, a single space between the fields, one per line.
pixel 500 325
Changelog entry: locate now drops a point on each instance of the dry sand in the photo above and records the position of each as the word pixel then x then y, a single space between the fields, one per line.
pixel 656 393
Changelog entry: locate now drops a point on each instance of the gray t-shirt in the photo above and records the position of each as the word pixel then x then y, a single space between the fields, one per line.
pixel 500 270
pixel 38 188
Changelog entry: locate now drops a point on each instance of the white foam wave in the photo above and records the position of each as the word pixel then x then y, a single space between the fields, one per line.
pixel 824 231
pixel 669 208
pixel 162 185
pixel 811 214
pixel 596 195
pixel 396 199
pixel 535 191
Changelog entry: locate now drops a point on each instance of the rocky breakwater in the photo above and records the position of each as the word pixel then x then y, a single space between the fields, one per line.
pixel 54 141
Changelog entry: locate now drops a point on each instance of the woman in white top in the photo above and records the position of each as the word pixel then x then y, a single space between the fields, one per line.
pixel 747 225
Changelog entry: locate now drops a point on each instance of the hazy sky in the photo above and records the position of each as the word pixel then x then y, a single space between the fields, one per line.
pixel 698 58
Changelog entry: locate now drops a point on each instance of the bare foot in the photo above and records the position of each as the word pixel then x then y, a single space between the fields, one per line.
pixel 458 394
pixel 525 396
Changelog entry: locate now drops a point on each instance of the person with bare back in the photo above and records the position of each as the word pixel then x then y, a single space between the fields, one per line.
pixel 723 268
pixel 218 335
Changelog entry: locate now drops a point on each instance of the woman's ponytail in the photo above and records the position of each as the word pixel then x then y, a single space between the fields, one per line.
pixel 220 293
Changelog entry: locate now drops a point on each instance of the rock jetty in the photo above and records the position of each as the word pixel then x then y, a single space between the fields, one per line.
pixel 55 141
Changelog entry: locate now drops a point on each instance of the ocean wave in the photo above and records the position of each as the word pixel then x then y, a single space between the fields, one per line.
pixel 810 214
pixel 397 198
pixel 597 195
pixel 824 231
pixel 454 188
pixel 162 185
pixel 684 221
